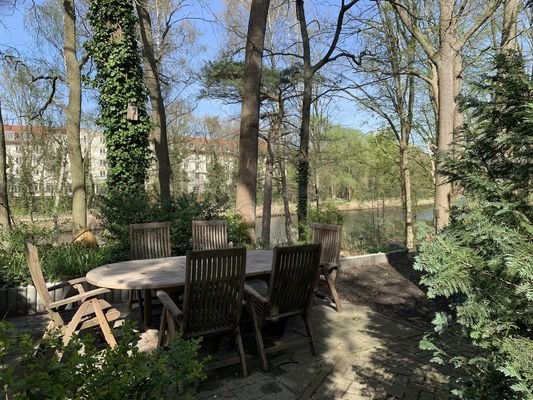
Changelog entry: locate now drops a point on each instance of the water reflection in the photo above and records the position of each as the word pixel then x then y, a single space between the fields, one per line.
pixel 357 223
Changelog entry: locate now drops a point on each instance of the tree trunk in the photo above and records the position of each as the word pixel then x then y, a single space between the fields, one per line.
pixel 447 109
pixel 267 194
pixel 5 217
pixel 73 114
pixel 285 196
pixel 510 22
pixel 249 129
pixel 159 117
pixel 303 151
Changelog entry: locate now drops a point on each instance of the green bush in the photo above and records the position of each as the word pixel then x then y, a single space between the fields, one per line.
pixel 327 214
pixel 86 372
pixel 483 261
pixel 59 262
pixel 237 229
pixel 119 211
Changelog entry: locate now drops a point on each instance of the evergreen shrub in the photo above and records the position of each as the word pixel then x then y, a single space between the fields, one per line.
pixel 483 261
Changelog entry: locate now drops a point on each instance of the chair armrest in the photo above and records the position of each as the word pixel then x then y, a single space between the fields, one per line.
pixel 167 302
pixel 329 266
pixel 78 297
pixel 71 282
pixel 251 292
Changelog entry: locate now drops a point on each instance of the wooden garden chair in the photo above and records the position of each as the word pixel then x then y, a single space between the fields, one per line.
pixel 208 235
pixel 148 240
pixel 295 272
pixel 92 312
pixel 212 301
pixel 330 237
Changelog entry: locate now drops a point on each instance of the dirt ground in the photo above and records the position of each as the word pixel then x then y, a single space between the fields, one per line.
pixel 392 290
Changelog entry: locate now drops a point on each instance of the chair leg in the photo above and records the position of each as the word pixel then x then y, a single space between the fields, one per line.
pixel 131 295
pixel 74 322
pixel 240 348
pixel 104 324
pixel 162 329
pixel 258 337
pixel 330 280
pixel 310 335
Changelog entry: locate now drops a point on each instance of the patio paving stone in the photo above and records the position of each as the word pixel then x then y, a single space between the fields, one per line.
pixel 362 355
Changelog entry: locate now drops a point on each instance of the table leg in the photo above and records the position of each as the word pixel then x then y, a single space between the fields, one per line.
pixel 147 294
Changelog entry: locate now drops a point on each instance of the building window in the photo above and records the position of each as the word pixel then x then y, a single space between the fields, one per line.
pixel 102 163
pixel 102 173
pixel 102 150
pixel 10 135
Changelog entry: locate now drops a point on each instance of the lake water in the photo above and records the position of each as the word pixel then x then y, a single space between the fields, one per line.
pixel 357 223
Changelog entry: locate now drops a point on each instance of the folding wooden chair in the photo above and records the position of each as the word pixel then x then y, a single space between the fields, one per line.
pixel 212 301
pixel 330 237
pixel 295 272
pixel 90 313
pixel 208 235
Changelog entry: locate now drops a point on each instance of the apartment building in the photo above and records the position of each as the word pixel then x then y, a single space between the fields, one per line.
pixel 38 155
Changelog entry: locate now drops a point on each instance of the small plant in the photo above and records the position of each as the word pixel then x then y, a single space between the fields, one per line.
pixel 86 372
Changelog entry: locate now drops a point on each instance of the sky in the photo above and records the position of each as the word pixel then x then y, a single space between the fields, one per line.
pixel 13 35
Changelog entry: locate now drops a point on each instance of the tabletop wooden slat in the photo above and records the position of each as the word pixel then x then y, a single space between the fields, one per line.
pixel 160 273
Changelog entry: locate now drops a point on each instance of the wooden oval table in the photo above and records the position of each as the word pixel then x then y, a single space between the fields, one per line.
pixel 161 273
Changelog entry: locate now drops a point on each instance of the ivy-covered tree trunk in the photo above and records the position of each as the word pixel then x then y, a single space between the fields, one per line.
pixel 73 114
pixel 119 79
pixel 5 218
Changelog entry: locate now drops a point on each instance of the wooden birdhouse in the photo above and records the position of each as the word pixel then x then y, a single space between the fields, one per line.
pixel 133 112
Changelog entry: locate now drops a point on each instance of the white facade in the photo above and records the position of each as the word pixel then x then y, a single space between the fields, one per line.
pixel 44 154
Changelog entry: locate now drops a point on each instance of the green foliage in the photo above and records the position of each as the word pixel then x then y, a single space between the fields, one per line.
pixel 223 79
pixel 61 262
pixel 85 372
pixel 326 214
pixel 119 211
pixel 119 79
pixel 237 229
pixel 483 261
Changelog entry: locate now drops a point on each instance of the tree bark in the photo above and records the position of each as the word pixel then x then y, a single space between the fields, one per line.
pixel 249 127
pixel 159 117
pixel 285 196
pixel 448 64
pixel 446 73
pixel 5 217
pixel 73 114
pixel 267 194
pixel 309 71
pixel 510 22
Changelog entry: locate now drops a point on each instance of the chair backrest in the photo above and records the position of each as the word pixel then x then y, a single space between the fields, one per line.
pixel 295 271
pixel 214 284
pixel 208 235
pixel 32 258
pixel 150 240
pixel 330 237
